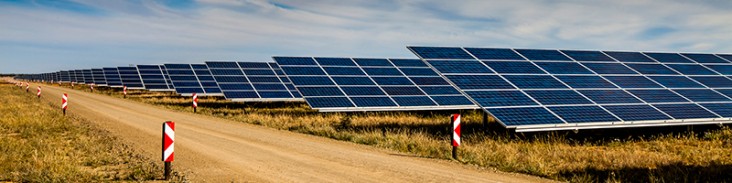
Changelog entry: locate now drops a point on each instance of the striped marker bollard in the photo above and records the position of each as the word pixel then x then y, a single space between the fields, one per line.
pixel 27 87
pixel 168 146
pixel 124 91
pixel 195 102
pixel 64 102
pixel 455 137
pixel 39 92
pixel 91 86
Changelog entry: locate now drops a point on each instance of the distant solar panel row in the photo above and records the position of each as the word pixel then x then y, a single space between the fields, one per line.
pixel 532 89
pixel 353 84
pixel 153 78
pixel 251 81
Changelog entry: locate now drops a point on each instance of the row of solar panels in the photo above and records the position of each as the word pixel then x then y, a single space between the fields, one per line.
pixel 526 89
pixel 237 81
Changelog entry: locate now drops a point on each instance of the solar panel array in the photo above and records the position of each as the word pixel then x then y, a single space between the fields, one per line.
pixel 130 77
pixel 252 81
pixel 153 78
pixel 359 84
pixel 530 89
pixel 111 76
pixel 99 79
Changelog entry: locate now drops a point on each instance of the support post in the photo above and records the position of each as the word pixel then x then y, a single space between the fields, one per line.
pixel 455 134
pixel 167 171
pixel 485 120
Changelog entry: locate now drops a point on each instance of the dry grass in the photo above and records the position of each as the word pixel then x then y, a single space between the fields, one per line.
pixel 38 144
pixel 625 155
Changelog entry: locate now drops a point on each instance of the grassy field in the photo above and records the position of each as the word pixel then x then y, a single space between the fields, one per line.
pixel 673 154
pixel 39 144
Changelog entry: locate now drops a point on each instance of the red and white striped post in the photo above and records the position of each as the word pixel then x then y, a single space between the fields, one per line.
pixel 168 145
pixel 91 86
pixel 64 102
pixel 455 137
pixel 124 91
pixel 39 92
pixel 27 86
pixel 195 102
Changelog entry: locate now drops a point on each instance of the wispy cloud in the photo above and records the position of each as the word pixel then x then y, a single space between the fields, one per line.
pixel 41 36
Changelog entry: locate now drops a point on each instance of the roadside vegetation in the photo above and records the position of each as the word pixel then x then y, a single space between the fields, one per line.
pixel 39 144
pixel 671 154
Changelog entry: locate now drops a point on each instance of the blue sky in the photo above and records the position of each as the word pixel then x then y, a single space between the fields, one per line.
pixel 46 36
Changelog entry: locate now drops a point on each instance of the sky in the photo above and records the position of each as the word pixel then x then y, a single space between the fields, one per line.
pixel 47 36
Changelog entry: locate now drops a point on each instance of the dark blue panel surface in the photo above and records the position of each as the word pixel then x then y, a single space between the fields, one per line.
pixel 557 97
pixel 240 94
pixel 532 54
pixel 500 98
pixel 579 114
pixel 704 58
pixel 382 71
pixel 414 101
pixel 392 80
pixel 685 111
pixel 320 91
pixel 316 80
pixel 652 69
pixel 722 69
pixel 587 55
pixel 713 81
pixel 494 53
pixel 343 81
pixel 303 70
pixel 370 90
pixel 563 68
pixel 610 96
pixel 479 82
pixel 525 116
pixel 335 61
pixel 326 102
pixel 440 90
pixel 636 112
pixel 723 109
pixel 691 69
pixel 429 81
pixel 609 68
pixel 534 81
pixel 676 82
pixel 408 63
pixel 373 102
pixel 701 95
pixel 440 53
pixel 418 72
pixel 402 90
pixel 452 100
pixel 585 82
pixel 629 56
pixel 632 82
pixel 514 67
pixel 372 62
pixel 657 96
pixel 343 71
pixel 669 57
pixel 453 66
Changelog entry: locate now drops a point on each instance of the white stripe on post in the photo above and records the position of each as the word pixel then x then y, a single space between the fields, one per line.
pixel 64 101
pixel 456 130
pixel 168 141
pixel 195 100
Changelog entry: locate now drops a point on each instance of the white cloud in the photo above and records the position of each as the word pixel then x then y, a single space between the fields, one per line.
pixel 151 32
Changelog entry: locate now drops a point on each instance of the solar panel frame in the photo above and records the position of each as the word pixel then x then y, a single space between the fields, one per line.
pixel 635 58
pixel 111 75
pixel 99 78
pixel 233 79
pixel 325 86
pixel 88 77
pixel 130 77
pixel 152 78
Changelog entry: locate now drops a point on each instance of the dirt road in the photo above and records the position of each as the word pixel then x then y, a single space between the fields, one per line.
pixel 216 150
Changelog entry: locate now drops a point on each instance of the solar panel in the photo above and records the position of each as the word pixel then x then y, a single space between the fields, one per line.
pixel 568 89
pixel 130 77
pixel 88 77
pixel 79 76
pixel 98 75
pixel 252 81
pixel 111 75
pixel 366 84
pixel 153 78
pixel 64 76
pixel 167 77
pixel 185 79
